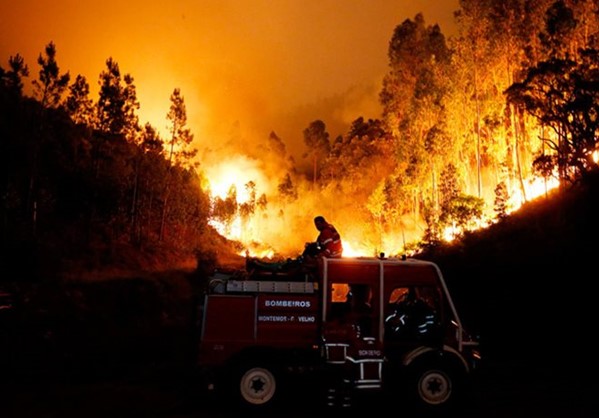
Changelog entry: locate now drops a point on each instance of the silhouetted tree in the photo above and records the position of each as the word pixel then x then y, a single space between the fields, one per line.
pixel 564 95
pixel 131 127
pixel 316 139
pixel 287 189
pixel 449 187
pixel 247 208
pixel 51 84
pixel 179 143
pixel 361 159
pixel 11 80
pixel 111 114
pixel 224 210
pixel 180 135
pixel 151 179
pixel 49 89
pixel 462 213
pixel 78 104
pixel 501 200
pixel 13 146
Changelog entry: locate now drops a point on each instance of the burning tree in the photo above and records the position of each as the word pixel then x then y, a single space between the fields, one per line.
pixel 563 95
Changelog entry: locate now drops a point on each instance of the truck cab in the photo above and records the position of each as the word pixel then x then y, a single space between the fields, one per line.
pixel 354 325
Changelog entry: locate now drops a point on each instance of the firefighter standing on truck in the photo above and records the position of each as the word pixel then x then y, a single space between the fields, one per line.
pixel 329 240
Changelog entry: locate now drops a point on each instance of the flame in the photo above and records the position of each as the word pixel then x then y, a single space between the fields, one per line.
pixel 235 173
pixel 535 187
pixel 351 250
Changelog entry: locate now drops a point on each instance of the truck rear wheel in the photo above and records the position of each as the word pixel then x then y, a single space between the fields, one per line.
pixel 257 386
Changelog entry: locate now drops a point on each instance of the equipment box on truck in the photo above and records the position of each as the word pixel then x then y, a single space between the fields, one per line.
pixel 354 325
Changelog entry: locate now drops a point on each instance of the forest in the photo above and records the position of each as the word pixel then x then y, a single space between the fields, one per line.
pixel 469 123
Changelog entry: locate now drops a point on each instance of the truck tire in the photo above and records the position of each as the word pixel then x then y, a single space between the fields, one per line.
pixel 435 386
pixel 257 386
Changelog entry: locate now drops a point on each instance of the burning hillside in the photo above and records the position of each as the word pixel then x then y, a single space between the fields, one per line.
pixel 250 207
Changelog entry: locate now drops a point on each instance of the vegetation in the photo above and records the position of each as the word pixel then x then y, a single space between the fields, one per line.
pixel 523 283
pixel 82 180
pixel 515 94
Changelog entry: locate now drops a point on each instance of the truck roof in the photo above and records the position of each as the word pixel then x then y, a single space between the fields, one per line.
pixel 411 271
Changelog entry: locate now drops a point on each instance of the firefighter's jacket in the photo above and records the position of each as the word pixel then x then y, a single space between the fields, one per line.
pixel 330 242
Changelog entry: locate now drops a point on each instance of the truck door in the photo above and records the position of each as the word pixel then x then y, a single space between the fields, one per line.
pixel 352 297
pixel 351 331
pixel 352 306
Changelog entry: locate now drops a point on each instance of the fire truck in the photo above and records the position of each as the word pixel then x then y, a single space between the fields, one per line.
pixel 352 326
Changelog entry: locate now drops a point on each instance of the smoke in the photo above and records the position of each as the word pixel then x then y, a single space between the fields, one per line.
pixel 245 70
pixel 280 223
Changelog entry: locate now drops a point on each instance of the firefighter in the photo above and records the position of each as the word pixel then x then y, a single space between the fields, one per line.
pixel 328 240
pixel 327 244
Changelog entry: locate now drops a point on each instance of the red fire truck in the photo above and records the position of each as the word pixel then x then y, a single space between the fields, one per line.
pixel 352 325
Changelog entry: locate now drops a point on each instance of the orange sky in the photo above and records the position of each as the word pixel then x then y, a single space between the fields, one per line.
pixel 267 65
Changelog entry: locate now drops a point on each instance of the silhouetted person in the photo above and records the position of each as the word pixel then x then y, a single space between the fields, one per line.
pixel 328 243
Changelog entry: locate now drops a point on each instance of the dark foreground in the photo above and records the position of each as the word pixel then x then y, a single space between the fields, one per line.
pixel 541 371
pixel 127 350
pixel 502 392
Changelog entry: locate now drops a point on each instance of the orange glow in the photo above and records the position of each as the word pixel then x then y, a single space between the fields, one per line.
pixel 234 172
pixel 351 250
pixel 534 188
pixel 265 235
pixel 253 62
pixel 247 69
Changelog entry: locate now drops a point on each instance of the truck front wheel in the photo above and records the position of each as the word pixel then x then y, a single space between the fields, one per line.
pixel 436 386
pixel 257 386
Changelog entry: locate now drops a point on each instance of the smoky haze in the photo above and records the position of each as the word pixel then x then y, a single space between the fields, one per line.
pixel 263 65
pixel 245 69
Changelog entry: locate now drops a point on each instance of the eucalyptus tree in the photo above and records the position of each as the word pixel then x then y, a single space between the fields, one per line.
pixel 561 91
pixel 225 210
pixel 362 157
pixel 274 151
pixel 316 139
pixel 414 101
pixel 500 204
pixel 505 145
pixel 564 96
pixel 559 33
pixel 477 50
pixel 287 189
pixel 248 208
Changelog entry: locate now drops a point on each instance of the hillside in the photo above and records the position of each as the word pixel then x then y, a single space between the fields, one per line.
pixel 526 285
